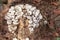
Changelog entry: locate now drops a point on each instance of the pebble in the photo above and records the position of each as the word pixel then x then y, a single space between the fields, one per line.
pixel 17 17
pixel 30 22
pixel 17 8
pixel 45 22
pixel 11 9
pixel 9 28
pixel 27 6
pixel 15 23
pixel 9 25
pixel 29 17
pixel 31 29
pixel 35 21
pixel 33 8
pixel 14 20
pixel 34 25
pixel 15 39
pixel 40 16
pixel 13 17
pixel 14 28
pixel 21 5
pixel 37 13
pixel 27 38
pixel 9 22
pixel 34 18
pixel 29 12
pixel 7 18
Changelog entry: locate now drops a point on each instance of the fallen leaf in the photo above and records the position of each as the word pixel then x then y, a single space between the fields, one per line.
pixel 54 3
pixel 36 1
pixel 55 34
pixel 51 24
pixel 56 11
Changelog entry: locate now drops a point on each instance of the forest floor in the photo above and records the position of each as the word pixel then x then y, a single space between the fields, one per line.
pixel 49 31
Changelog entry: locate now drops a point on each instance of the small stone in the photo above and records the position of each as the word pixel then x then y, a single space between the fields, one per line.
pixel 14 28
pixel 15 20
pixel 40 16
pixel 45 22
pixel 34 25
pixel 31 29
pixel 37 24
pixel 27 6
pixel 9 22
pixel 30 21
pixel 30 13
pixel 15 39
pixel 17 17
pixel 16 13
pixel 33 8
pixel 10 25
pixel 15 23
pixel 11 9
pixel 9 28
pixel 27 38
pixel 7 18
pixel 28 17
pixel 34 18
pixel 35 21
pixel 17 8
pixel 21 13
pixel 21 5
pixel 37 13
pixel 13 17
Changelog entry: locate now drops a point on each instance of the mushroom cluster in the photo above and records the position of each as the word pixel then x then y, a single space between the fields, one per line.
pixel 20 11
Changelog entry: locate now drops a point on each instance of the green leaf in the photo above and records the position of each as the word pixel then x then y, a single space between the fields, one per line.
pixel 0 1
pixel 58 38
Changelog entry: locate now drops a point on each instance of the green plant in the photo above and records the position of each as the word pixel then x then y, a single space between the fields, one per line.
pixel 58 38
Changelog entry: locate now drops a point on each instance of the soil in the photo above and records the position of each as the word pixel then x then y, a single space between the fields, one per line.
pixel 50 11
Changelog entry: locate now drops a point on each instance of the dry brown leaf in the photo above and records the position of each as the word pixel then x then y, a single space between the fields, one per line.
pixel 21 25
